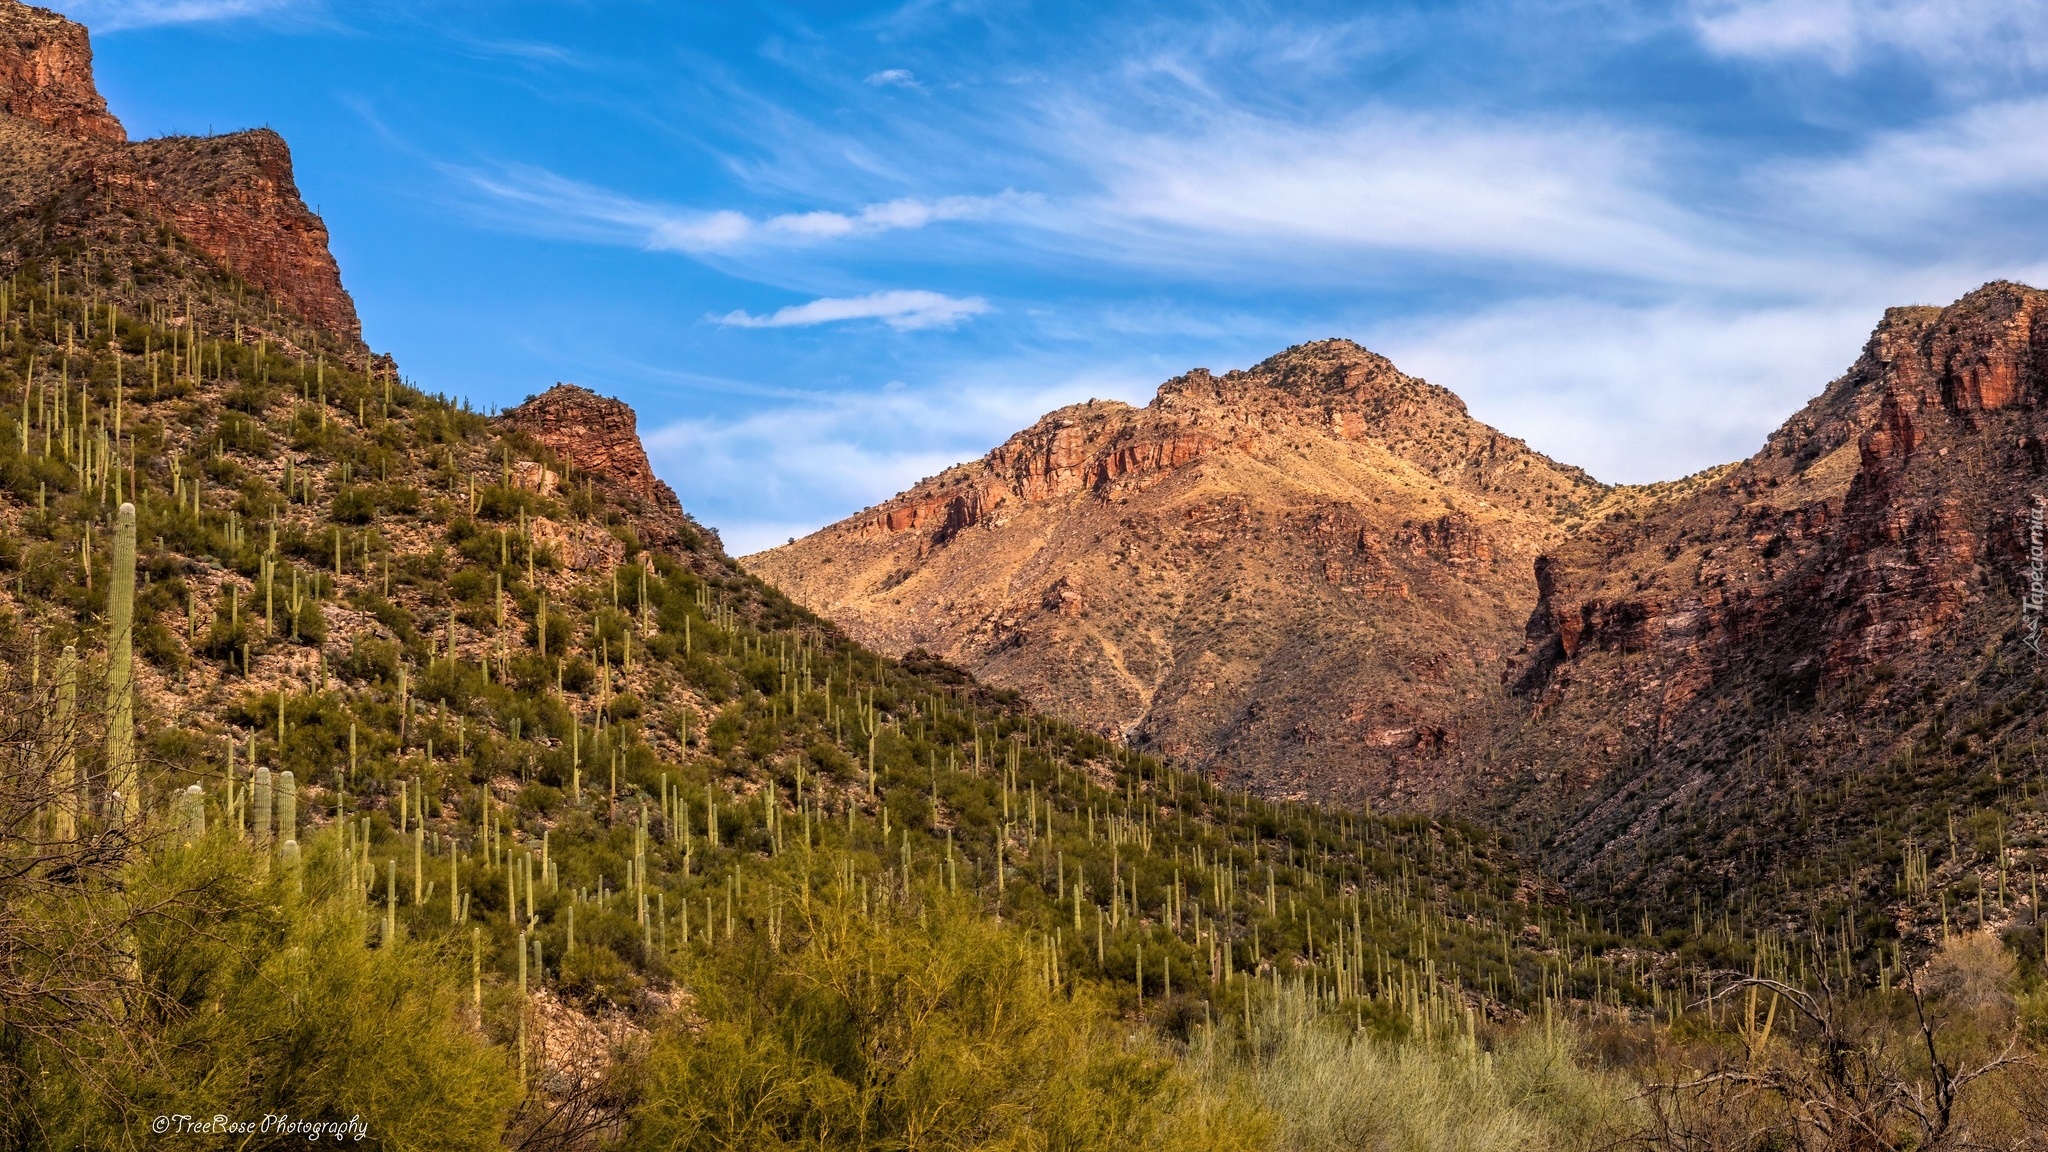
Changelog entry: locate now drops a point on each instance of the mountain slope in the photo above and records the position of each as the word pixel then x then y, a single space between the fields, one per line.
pixel 1818 662
pixel 1745 685
pixel 1296 576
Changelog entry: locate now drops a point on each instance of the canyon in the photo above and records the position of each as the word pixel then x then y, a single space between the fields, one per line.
pixel 1320 578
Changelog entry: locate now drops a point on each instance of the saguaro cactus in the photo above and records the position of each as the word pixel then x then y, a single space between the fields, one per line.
pixel 121 667
pixel 286 793
pixel 260 808
pixel 191 814
pixel 67 744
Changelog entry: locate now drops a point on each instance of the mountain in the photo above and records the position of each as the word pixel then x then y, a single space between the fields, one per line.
pixel 1820 660
pixel 76 192
pixel 1301 576
pixel 588 833
pixel 1774 679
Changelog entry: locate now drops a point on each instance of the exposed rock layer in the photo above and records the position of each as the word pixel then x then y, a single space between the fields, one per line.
pixel 68 172
pixel 599 437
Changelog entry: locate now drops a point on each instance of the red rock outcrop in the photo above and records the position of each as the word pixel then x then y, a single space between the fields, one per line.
pixel 67 169
pixel 599 437
pixel 46 75
pixel 596 434
pixel 234 198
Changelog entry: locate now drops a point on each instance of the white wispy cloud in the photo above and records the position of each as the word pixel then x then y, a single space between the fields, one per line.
pixel 903 309
pixel 1979 37
pixel 116 15
pixel 556 204
pixel 1628 290
pixel 1634 392
pixel 894 78
pixel 1249 195
pixel 1929 173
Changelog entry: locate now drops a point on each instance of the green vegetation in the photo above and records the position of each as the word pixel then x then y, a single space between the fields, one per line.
pixel 479 777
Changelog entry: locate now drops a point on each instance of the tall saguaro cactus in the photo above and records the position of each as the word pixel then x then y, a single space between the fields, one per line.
pixel 121 668
pixel 259 808
pixel 68 790
pixel 190 810
pixel 285 794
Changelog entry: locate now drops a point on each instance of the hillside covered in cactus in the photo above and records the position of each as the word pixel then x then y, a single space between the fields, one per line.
pixel 399 666
pixel 466 783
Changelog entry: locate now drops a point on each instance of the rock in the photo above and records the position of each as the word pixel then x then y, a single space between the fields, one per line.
pixel 67 169
pixel 46 75
pixel 599 437
pixel 596 434
pixel 234 198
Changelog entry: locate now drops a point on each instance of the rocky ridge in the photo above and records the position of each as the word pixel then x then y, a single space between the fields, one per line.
pixel 1295 575
pixel 600 437
pixel 72 185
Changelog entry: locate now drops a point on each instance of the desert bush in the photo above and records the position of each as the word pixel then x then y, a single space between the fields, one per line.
pixel 924 1027
pixel 1330 1088
pixel 256 991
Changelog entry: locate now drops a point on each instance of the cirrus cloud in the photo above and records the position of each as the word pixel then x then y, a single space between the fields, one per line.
pixel 116 15
pixel 1966 35
pixel 902 309
pixel 548 203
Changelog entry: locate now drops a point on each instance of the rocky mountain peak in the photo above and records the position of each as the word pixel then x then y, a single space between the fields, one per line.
pixel 68 172
pixel 46 74
pixel 1309 562
pixel 234 197
pixel 597 434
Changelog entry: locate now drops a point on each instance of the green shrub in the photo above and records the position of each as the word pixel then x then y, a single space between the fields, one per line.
pixel 925 1028
pixel 353 505
pixel 1332 1090
pixel 268 998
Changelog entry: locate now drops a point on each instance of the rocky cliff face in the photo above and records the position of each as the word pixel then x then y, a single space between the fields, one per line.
pixel 46 75
pixel 1865 568
pixel 1295 575
pixel 1871 522
pixel 599 437
pixel 234 198
pixel 67 172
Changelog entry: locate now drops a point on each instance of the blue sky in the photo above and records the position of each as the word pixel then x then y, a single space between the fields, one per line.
pixel 828 249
